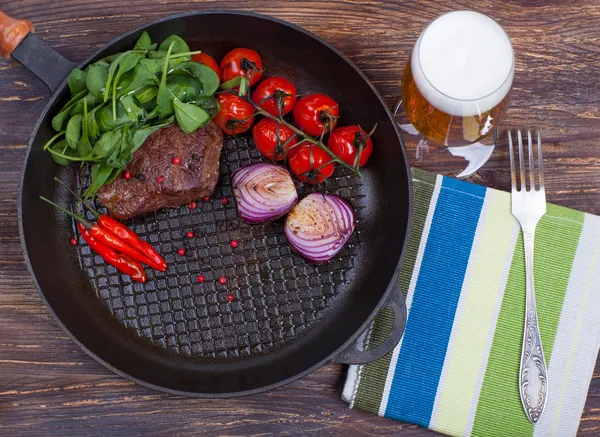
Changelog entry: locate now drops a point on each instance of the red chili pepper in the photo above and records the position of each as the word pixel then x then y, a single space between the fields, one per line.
pixel 131 238
pixel 124 233
pixel 106 237
pixel 121 262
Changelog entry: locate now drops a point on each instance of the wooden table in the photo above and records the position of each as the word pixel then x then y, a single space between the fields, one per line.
pixel 48 387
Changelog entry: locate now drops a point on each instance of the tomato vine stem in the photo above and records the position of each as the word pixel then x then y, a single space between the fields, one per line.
pixel 303 135
pixel 306 138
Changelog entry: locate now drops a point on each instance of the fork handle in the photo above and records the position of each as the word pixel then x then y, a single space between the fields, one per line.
pixel 533 374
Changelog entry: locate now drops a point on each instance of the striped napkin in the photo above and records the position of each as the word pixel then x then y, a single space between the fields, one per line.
pixel 456 368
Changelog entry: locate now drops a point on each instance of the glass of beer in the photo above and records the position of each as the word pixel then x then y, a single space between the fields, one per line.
pixel 457 81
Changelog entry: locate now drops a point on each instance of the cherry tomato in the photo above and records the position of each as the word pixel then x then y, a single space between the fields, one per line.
pixel 315 112
pixel 207 60
pixel 310 163
pixel 236 114
pixel 274 89
pixel 242 62
pixel 345 142
pixel 270 138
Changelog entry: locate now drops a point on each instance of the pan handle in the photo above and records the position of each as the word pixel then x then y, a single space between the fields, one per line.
pixel 12 32
pixel 354 355
pixel 18 41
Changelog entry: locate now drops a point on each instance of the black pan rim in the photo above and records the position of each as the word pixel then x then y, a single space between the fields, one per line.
pixel 351 340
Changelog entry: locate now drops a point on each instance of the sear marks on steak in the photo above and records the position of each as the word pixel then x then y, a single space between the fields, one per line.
pixel 158 183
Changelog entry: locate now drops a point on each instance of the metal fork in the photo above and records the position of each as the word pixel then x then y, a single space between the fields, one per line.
pixel 528 206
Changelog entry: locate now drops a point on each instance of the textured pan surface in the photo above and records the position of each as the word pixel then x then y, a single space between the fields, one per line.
pixel 277 294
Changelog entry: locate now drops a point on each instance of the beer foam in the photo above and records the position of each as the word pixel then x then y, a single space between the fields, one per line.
pixel 463 63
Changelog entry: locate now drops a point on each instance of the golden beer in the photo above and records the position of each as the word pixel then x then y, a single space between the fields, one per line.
pixel 457 81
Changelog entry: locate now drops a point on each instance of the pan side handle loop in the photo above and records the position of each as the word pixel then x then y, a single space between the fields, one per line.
pixel 354 355
pixel 18 40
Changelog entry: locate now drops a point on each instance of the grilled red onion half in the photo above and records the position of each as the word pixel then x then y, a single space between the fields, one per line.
pixel 263 192
pixel 319 226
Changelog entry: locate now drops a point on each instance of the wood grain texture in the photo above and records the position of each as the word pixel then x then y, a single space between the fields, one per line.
pixel 48 387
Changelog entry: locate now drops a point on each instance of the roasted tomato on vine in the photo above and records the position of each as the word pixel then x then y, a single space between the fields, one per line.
pixel 316 113
pixel 346 141
pixel 276 95
pixel 242 62
pixel 310 164
pixel 273 139
pixel 207 60
pixel 236 115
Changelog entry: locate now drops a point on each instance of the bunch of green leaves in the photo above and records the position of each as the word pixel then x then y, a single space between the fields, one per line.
pixel 118 101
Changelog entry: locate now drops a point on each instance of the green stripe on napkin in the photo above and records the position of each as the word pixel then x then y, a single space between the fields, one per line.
pixel 499 410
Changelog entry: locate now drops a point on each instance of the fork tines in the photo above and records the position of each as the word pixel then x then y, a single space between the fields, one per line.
pixel 531 168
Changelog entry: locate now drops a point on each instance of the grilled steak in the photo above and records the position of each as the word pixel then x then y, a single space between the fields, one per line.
pixel 156 182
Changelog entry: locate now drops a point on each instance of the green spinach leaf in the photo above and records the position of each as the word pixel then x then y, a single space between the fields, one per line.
pixel 146 94
pixel 112 69
pixel 164 101
pixel 95 80
pixel 138 78
pixel 158 54
pixel 105 145
pixel 52 140
pixel 77 81
pixel 189 117
pixel 92 122
pixel 106 60
pixel 209 104
pixel 185 88
pixel 121 154
pixel 115 173
pixel 174 60
pixel 78 108
pixel 60 152
pixel 59 120
pixel 73 133
pixel 207 77
pixel 135 112
pixel 144 42
pixel 152 65
pixel 128 62
pixel 175 43
pixel 106 121
pixel 100 174
pixel 84 147
pixel 140 135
